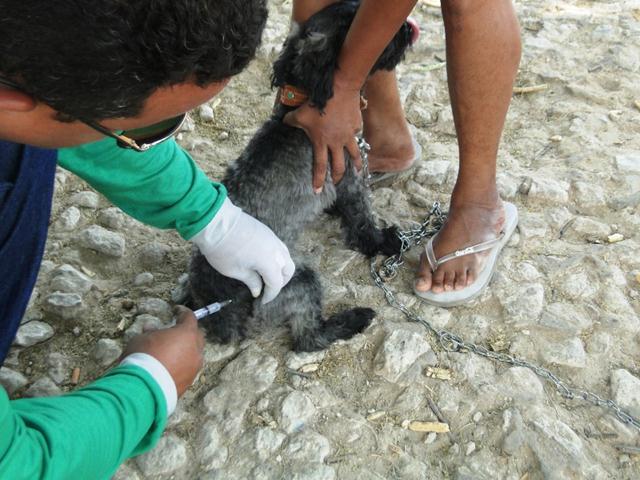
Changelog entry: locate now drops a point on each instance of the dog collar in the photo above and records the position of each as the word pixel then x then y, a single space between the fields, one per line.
pixel 294 97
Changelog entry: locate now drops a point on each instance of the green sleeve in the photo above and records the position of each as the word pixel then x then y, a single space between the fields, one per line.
pixel 162 187
pixel 86 434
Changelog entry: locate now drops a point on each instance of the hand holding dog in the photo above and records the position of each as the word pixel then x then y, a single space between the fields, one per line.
pixel 239 246
pixel 331 131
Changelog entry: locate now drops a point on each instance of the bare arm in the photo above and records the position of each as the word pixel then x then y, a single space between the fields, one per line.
pixel 375 24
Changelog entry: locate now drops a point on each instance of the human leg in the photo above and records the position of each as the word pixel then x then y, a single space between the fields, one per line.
pixel 384 123
pixel 483 52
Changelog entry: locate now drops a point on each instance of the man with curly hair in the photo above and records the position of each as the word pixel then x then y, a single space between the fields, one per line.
pixel 72 73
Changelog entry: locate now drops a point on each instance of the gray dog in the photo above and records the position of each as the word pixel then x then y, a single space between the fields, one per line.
pixel 271 180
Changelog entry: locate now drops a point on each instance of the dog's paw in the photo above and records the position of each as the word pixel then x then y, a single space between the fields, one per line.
pixel 391 242
pixel 359 319
pixel 350 322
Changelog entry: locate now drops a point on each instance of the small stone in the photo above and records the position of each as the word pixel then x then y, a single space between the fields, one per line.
pixel 399 351
pixel 307 447
pixel 43 387
pixel 471 447
pixel 477 417
pixel 32 333
pixel 102 241
pixel 156 307
pixel 628 162
pixel 626 391
pixel 107 351
pixel 144 278
pixel 68 220
pixel 211 452
pixel 576 285
pixel 565 317
pixel 615 238
pixel 154 254
pixel 253 367
pixel 169 455
pixel 514 431
pixel 296 360
pixel 556 138
pixel 549 191
pixel 559 449
pixel 524 304
pixel 59 367
pixel 216 352
pixel 569 353
pixel 431 437
pixel 268 441
pixel 522 385
pixel 587 229
pixel 67 306
pixel 112 218
pixel 85 199
pixel 589 198
pixel 599 343
pixel 206 113
pixel 223 136
pixel 433 172
pixel 227 404
pixel 142 323
pixel 11 380
pixel 76 331
pixel 295 411
pixel 67 279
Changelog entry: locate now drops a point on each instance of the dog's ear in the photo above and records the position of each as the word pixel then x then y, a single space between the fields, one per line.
pixel 308 61
pixel 315 64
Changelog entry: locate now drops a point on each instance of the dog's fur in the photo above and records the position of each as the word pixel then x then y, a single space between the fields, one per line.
pixel 271 180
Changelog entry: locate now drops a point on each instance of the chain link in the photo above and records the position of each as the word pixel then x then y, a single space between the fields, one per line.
pixel 451 342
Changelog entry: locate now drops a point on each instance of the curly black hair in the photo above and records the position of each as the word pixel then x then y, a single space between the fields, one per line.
pixel 98 59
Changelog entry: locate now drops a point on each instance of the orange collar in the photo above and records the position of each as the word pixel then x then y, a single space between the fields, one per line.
pixel 294 97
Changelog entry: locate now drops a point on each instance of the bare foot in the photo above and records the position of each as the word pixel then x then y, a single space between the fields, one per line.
pixel 385 127
pixel 466 225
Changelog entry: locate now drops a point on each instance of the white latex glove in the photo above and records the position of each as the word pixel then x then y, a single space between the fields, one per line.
pixel 239 246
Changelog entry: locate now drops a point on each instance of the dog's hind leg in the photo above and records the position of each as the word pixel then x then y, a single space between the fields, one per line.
pixel 206 286
pixel 300 306
pixel 354 208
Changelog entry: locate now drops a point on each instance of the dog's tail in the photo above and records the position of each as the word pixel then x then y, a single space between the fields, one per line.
pixel 340 326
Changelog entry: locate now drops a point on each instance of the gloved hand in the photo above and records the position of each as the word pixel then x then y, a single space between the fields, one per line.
pixel 239 246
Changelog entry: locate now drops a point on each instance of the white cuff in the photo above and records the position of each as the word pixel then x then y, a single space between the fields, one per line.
pixel 159 373
pixel 215 231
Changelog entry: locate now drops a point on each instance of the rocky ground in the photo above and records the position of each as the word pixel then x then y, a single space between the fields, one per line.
pixel 566 294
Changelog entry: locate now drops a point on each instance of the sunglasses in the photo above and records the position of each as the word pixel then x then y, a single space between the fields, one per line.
pixel 139 139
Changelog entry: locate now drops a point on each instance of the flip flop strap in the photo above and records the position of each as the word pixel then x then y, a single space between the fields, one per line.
pixel 434 263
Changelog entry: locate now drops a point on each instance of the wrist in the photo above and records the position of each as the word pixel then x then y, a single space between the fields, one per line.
pixel 214 233
pixel 346 81
pixel 159 373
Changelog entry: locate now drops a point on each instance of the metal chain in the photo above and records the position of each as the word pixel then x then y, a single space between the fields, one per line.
pixel 452 342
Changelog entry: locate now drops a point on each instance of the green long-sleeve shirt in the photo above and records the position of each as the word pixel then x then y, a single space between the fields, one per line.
pixel 86 434
pixel 89 433
pixel 162 187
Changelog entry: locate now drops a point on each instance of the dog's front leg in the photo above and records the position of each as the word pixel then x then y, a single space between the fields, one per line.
pixel 354 208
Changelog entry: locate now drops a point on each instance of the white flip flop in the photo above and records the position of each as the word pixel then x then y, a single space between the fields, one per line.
pixel 459 297
pixel 384 179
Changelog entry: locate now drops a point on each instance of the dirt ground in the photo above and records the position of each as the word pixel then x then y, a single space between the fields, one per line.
pixel 566 294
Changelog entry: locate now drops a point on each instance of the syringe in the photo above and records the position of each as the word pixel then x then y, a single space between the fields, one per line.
pixel 210 309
